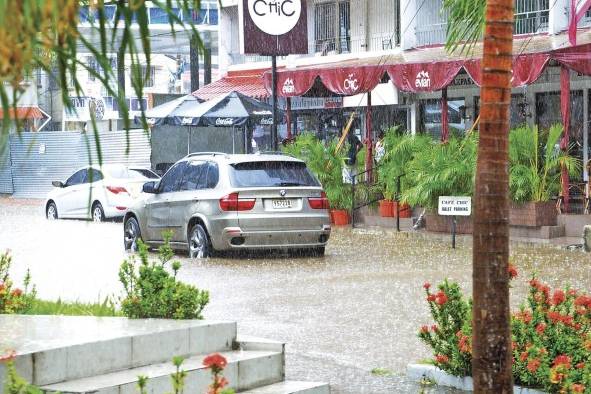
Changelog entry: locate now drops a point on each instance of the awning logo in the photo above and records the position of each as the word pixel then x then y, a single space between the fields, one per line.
pixel 423 80
pixel 224 122
pixel 351 84
pixel 275 17
pixel 288 86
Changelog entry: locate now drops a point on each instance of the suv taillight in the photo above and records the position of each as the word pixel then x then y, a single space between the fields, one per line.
pixel 231 202
pixel 319 202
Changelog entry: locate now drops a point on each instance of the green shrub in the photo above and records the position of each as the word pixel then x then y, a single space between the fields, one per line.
pixel 551 336
pixel 152 292
pixel 14 299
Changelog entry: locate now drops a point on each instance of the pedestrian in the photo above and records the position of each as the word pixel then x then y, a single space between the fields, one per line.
pixel 350 168
pixel 380 148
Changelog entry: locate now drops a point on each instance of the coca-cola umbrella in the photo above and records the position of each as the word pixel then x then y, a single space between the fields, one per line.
pixel 228 110
pixel 164 113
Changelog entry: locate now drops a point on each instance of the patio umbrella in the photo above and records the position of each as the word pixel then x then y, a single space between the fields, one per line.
pixel 232 109
pixel 164 113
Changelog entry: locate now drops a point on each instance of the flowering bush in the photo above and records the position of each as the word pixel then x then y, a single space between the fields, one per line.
pixel 152 292
pixel 14 299
pixel 551 336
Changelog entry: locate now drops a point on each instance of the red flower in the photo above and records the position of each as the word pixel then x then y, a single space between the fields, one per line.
pixel 215 361
pixel 572 292
pixel 523 356
pixel 222 382
pixel 441 298
pixel 534 283
pixel 578 388
pixel 555 317
pixel 580 365
pixel 17 292
pixel 563 359
pixel 533 365
pixel 441 359
pixel 512 271
pixel 583 300
pixel 424 329
pixel 540 328
pixel 431 298
pixel 9 356
pixel 427 285
pixel 434 328
pixel 513 345
pixel 558 297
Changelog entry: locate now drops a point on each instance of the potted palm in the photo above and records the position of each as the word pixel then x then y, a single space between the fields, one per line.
pixel 442 170
pixel 400 149
pixel 535 162
pixel 326 163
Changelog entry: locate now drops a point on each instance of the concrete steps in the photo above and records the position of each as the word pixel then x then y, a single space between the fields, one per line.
pixel 245 370
pixel 106 355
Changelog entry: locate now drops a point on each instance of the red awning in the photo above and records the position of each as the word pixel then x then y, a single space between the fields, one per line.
pixel 23 113
pixel 247 82
pixel 431 69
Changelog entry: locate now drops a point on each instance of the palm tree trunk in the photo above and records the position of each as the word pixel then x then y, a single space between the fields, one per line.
pixel 491 359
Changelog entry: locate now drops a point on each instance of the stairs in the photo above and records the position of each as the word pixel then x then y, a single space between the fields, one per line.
pixel 109 360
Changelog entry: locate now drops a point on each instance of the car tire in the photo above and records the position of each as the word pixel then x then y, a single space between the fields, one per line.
pixel 131 234
pixel 51 211
pixel 199 243
pixel 98 213
pixel 318 251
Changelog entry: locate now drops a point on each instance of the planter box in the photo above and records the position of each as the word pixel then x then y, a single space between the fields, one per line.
pixel 442 224
pixel 340 217
pixel 389 209
pixel 418 372
pixel 533 214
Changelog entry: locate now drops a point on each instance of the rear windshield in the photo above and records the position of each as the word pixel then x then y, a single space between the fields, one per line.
pixel 122 172
pixel 271 173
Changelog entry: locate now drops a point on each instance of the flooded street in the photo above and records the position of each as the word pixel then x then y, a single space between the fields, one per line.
pixel 356 309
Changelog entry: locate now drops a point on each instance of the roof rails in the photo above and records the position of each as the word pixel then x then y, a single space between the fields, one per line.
pixel 206 154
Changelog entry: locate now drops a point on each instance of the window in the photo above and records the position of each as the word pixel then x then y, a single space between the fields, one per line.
pixel 94 175
pixel 431 116
pixel 332 27
pixel 194 176
pixel 148 75
pixel 213 175
pixel 271 174
pixel 137 104
pixel 78 178
pixel 170 181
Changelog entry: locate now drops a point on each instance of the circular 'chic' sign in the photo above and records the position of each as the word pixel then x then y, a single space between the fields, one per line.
pixel 275 17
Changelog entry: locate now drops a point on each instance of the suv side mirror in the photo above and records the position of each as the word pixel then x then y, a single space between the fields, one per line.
pixel 150 187
pixel 59 184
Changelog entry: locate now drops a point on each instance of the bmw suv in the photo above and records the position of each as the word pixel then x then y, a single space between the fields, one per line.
pixel 213 202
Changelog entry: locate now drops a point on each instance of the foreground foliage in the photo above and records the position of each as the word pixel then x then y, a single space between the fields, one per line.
pixel 14 299
pixel 551 336
pixel 150 291
pixel 104 308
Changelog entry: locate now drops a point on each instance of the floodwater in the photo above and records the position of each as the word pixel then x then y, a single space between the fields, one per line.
pixel 356 309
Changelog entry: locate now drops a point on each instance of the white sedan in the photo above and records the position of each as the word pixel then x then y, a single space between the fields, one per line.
pixel 97 192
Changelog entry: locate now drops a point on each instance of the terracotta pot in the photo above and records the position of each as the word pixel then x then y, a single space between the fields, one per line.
pixel 404 210
pixel 387 209
pixel 340 217
pixel 533 214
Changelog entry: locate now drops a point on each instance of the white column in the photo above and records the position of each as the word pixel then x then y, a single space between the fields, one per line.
pixel 359 27
pixel 408 36
pixel 558 18
pixel 228 39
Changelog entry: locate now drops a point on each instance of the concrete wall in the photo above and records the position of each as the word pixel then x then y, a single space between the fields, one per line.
pixel 169 143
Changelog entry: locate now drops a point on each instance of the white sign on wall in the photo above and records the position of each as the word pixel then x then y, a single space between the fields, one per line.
pixel 455 206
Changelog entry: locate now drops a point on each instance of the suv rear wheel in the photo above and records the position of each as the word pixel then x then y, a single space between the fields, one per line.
pixel 199 243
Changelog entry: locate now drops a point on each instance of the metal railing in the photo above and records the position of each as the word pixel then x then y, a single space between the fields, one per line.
pixel 372 200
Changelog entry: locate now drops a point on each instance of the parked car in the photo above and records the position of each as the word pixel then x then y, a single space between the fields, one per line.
pixel 97 192
pixel 214 202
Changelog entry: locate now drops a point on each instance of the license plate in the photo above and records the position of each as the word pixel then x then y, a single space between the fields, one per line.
pixel 281 204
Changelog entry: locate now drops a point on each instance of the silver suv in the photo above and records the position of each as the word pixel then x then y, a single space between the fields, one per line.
pixel 217 202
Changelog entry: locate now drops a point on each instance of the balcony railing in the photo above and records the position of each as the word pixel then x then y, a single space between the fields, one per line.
pixel 531 17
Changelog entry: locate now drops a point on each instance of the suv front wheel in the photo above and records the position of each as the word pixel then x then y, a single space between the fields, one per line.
pixel 199 243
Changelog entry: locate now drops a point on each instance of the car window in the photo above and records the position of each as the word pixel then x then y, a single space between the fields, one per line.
pixel 142 172
pixel 94 175
pixel 77 178
pixel 171 180
pixel 194 176
pixel 271 173
pixel 213 175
